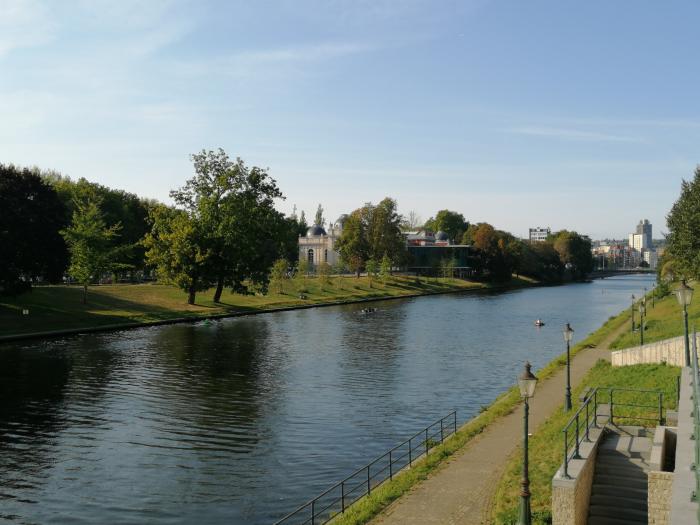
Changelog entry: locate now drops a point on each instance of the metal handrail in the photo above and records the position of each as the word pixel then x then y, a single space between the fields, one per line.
pixel 318 512
pixel 582 425
pixel 696 417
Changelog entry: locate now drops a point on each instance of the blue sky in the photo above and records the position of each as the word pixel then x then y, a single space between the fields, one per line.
pixel 579 115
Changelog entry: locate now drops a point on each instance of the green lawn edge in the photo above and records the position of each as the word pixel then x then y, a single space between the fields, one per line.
pixel 58 310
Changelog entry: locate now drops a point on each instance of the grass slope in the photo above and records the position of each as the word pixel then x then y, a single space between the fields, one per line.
pixel 663 321
pixel 546 445
pixel 60 307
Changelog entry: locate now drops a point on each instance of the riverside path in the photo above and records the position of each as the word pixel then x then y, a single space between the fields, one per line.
pixel 461 491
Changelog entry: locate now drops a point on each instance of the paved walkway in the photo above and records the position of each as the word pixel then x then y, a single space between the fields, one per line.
pixel 461 491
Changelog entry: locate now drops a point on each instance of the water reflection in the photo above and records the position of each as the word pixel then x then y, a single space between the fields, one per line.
pixel 238 421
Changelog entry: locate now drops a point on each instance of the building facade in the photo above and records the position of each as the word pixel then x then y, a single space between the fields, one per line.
pixel 319 246
pixel 539 234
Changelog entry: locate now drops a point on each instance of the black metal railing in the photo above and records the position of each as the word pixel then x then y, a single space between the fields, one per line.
pixel 577 430
pixel 338 498
pixel 696 417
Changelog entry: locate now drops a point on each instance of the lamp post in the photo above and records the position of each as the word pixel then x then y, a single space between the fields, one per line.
pixel 633 312
pixel 653 295
pixel 526 383
pixel 568 336
pixel 642 312
pixel 684 294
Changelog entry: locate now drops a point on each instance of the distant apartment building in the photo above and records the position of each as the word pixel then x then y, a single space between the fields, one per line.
pixel 539 234
pixel 639 249
pixel 644 229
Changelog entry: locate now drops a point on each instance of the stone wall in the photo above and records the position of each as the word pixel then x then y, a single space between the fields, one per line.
pixel 571 496
pixel 671 351
pixel 659 497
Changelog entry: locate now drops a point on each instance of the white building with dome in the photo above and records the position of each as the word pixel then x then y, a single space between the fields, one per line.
pixel 318 246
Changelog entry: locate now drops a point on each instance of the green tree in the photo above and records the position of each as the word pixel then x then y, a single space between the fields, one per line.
pixel 234 208
pixel 174 247
pixel 574 252
pixel 372 270
pixel 323 270
pixel 385 269
pixel 319 220
pixel 32 216
pixel 450 222
pixel 352 244
pixel 302 273
pixel 89 244
pixel 683 222
pixel 278 274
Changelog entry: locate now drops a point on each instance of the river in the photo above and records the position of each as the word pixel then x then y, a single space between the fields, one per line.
pixel 241 420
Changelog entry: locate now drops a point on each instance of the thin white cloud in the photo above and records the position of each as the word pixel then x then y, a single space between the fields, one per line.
pixel 572 134
pixel 24 23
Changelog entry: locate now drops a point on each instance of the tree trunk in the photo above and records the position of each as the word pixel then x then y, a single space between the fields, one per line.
pixel 219 289
pixel 192 291
pixel 85 294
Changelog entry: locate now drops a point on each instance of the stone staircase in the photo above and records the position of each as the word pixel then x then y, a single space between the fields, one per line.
pixel 619 491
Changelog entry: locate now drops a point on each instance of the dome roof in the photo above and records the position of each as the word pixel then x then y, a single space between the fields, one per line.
pixel 315 231
pixel 441 236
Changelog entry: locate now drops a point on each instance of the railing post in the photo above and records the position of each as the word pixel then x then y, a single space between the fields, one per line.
pixel 342 496
pixel 426 441
pixel 612 421
pixel 442 437
pixel 391 467
pixel 576 451
pixel 313 512
pixel 595 408
pixel 661 404
pixel 587 419
pixel 455 414
pixel 566 454
pixel 410 453
pixel 369 487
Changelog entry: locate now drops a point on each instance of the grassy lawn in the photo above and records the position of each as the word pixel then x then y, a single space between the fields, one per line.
pixel 60 307
pixel 382 496
pixel 546 445
pixel 663 321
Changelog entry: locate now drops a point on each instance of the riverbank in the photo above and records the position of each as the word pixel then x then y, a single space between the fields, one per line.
pixel 59 311
pixel 456 482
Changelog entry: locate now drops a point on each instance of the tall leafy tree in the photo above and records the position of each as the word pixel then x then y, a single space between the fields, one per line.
pixel 31 217
pixel 384 232
pixel 320 220
pixel 574 252
pixel 353 244
pixel 89 243
pixel 174 247
pixel 683 223
pixel 234 208
pixel 450 222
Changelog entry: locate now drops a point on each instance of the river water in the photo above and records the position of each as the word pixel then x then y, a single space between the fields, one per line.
pixel 242 420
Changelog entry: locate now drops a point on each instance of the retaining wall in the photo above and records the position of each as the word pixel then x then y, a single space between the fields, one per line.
pixel 670 351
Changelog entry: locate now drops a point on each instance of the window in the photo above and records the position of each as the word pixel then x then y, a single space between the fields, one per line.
pixel 325 255
pixel 310 256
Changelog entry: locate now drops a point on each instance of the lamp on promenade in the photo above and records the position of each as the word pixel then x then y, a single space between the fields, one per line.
pixel 633 312
pixel 642 312
pixel 653 295
pixel 568 336
pixel 684 294
pixel 526 382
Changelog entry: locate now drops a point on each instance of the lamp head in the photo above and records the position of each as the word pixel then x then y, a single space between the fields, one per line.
pixel 684 294
pixel 527 382
pixel 568 333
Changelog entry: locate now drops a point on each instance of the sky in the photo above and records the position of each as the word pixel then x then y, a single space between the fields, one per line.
pixel 576 115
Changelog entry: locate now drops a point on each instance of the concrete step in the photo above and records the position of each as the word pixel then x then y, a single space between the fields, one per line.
pixel 621 481
pixel 629 515
pixel 605 520
pixel 600 489
pixel 631 446
pixel 618 501
pixel 622 468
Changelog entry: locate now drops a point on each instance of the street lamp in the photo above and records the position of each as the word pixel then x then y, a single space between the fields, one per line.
pixel 684 294
pixel 568 336
pixel 653 295
pixel 526 382
pixel 642 312
pixel 633 312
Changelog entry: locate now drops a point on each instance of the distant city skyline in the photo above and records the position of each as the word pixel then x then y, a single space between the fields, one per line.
pixel 573 116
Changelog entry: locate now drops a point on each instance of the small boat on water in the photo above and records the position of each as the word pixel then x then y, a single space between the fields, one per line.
pixel 368 310
pixel 539 322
